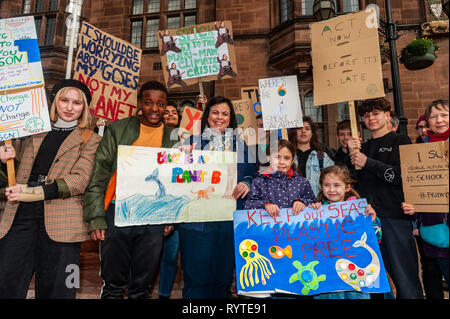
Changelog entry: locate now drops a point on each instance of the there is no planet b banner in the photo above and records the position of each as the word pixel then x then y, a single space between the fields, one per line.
pixel 317 251
pixel 109 66
pixel 23 104
pixel 164 185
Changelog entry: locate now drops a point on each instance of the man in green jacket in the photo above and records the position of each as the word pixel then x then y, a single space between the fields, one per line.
pixel 127 254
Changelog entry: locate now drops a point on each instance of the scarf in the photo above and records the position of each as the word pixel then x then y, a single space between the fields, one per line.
pixel 437 137
pixel 218 141
pixel 61 125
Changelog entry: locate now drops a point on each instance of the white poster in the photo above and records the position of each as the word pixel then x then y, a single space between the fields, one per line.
pixel 280 103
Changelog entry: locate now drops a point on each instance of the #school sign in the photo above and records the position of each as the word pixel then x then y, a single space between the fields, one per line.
pixel 23 104
pixel 109 66
pixel 198 53
pixel 163 186
pixel 317 251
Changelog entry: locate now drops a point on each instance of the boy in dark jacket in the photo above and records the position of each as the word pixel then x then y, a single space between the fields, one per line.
pixel 380 182
pixel 127 254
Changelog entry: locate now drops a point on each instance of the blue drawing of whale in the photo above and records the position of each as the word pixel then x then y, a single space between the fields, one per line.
pixel 151 209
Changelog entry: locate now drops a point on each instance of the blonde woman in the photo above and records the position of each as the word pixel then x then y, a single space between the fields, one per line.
pixel 42 226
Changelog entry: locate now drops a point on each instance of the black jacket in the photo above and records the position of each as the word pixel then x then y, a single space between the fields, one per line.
pixel 379 181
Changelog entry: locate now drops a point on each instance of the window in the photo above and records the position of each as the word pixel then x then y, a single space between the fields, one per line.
pixel 307 7
pixel 190 4
pixel 173 22
pixel 26 7
pixel 153 6
pixel 315 112
pixel 50 32
pixel 150 16
pixel 138 7
pixel 136 32
pixel 343 113
pixel 39 5
pixel 173 5
pixel 351 5
pixel 284 10
pixel 151 40
pixel 190 20
pixel 53 5
pixel 38 23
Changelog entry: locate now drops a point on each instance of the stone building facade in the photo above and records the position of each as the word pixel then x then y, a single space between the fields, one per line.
pixel 272 38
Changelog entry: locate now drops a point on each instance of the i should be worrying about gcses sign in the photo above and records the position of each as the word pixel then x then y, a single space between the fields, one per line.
pixel 23 104
pixel 109 66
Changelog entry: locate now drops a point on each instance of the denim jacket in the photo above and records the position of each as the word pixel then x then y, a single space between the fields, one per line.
pixel 312 173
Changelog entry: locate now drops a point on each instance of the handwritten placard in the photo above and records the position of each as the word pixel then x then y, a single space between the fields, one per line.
pixel 425 176
pixel 198 53
pixel 280 103
pixel 346 59
pixel 317 251
pixel 23 104
pixel 109 66
pixel 159 186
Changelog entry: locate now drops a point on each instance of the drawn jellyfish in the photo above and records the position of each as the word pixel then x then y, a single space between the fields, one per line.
pixel 249 251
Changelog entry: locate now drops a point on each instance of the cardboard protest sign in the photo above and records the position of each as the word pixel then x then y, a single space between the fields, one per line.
pixel 198 53
pixel 109 66
pixel 191 120
pixel 280 103
pixel 425 176
pixel 23 104
pixel 252 93
pixel 346 59
pixel 246 120
pixel 317 251
pixel 159 186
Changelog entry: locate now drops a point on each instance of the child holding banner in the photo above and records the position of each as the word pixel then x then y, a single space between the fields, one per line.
pixel 280 186
pixel 127 254
pixel 336 186
pixel 41 227
pixel 380 182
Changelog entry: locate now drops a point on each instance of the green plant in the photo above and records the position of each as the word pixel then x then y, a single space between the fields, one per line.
pixel 418 47
pixel 383 48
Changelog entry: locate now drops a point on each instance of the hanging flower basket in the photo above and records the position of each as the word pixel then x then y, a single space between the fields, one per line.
pixel 384 53
pixel 419 54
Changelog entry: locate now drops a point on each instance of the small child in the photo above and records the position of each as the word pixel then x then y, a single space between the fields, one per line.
pixel 280 186
pixel 336 185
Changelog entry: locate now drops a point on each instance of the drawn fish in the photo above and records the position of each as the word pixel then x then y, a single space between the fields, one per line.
pixel 278 252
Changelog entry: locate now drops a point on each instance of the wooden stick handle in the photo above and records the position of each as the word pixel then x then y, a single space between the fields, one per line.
pixel 353 126
pixel 10 168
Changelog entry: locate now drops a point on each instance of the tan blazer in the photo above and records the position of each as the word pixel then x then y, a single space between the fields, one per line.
pixel 73 163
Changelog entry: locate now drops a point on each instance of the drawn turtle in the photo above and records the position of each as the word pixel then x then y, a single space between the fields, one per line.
pixel 307 276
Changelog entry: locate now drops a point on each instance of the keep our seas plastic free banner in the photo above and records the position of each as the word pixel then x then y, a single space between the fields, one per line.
pixel 317 251
pixel 165 185
pixel 109 66
pixel 23 104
